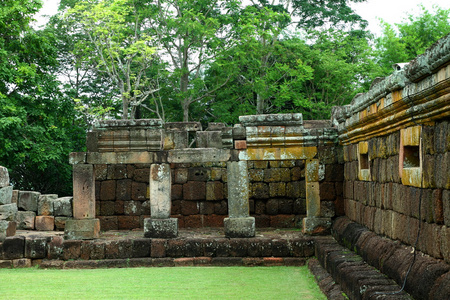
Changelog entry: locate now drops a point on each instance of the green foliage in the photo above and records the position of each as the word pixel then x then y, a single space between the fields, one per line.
pixel 37 125
pixel 117 46
pixel 404 41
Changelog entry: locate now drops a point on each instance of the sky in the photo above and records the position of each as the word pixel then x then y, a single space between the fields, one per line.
pixel 391 11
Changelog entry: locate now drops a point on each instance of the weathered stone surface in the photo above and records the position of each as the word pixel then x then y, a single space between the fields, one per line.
pixel 214 190
pixel 28 200
pixel 194 190
pixel 60 223
pixel 312 199
pixel 35 247
pixel 239 227
pixel 82 229
pixel 160 189
pixel 83 192
pixel 6 195
pixel 8 212
pixel 316 226
pixel 25 220
pixel 4 177
pixel 13 247
pixel 238 189
pixel 160 228
pixel 198 155
pixel 272 119
pixel 45 204
pixel 63 206
pixel 44 223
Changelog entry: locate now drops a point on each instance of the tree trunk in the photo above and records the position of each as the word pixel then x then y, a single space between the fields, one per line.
pixel 184 81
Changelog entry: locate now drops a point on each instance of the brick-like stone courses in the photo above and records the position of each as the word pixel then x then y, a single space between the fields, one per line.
pixel 200 191
pixel 429 278
pixel 389 208
pixel 55 252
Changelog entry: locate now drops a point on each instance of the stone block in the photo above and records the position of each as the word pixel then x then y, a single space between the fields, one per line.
pixel 63 206
pixel 238 189
pixel 6 194
pixel 25 220
pixel 128 222
pixel 327 191
pixel 194 190
pixel 132 208
pixel 28 200
pixel 138 191
pixel 240 144
pixel 45 204
pixel 44 223
pixel 189 208
pixel 107 208
pixel 123 190
pixel 160 189
pixel 277 189
pixel 316 226
pixel 4 177
pixel 109 223
pixel 8 212
pixel 239 227
pixel 198 174
pixel 282 221
pixel 221 208
pixel 199 155
pixel 260 190
pixel 82 229
pixel 180 175
pixel 160 228
pixel 83 192
pixel 13 247
pixel 142 175
pixel 60 223
pixel 272 207
pixel 108 190
pixel 214 190
pixel 312 199
pixel 35 247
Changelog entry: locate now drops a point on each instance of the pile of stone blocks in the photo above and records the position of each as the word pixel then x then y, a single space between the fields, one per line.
pixel 8 209
pixel 42 212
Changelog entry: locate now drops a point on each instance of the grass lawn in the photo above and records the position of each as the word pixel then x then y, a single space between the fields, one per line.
pixel 161 283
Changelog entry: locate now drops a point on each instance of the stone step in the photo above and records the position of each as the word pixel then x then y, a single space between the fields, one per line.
pixel 358 279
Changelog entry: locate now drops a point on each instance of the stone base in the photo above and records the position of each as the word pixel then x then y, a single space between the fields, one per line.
pixel 7 228
pixel 239 227
pixel 316 226
pixel 83 229
pixel 160 228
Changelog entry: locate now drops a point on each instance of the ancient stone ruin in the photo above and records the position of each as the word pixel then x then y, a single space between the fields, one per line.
pixel 369 189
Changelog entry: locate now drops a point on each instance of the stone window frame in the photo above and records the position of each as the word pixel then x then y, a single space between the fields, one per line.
pixel 363 161
pixel 411 153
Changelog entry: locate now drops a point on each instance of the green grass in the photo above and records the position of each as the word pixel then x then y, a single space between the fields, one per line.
pixel 160 283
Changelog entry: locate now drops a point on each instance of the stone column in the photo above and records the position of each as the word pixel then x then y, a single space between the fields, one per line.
pixel 160 225
pixel 239 224
pixel 313 223
pixel 84 225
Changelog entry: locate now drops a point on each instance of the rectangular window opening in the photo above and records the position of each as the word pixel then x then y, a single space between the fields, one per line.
pixel 364 161
pixel 411 157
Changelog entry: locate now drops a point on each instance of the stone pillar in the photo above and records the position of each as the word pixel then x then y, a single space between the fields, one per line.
pixel 160 225
pixel 313 223
pixel 84 225
pixel 239 224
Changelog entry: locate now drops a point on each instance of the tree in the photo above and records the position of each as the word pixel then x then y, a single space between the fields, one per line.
pixel 38 126
pixel 190 35
pixel 117 46
pixel 404 41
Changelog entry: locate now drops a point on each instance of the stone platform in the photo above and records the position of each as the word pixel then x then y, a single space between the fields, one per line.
pixel 206 246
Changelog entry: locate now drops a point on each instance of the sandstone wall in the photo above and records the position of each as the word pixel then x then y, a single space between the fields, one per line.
pixel 396 141
pixel 199 193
